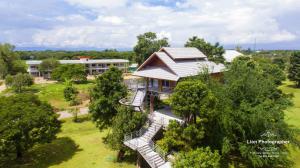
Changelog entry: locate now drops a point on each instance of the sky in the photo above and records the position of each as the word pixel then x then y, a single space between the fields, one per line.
pixel 92 24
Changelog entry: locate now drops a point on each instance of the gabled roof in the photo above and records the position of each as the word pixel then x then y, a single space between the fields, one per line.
pixel 230 55
pixel 173 69
pixel 183 53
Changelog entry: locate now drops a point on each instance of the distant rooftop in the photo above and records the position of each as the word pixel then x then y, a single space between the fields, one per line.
pixel 230 55
pixel 183 53
pixel 82 61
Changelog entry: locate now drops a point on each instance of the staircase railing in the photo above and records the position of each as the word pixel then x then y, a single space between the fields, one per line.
pixel 134 135
pixel 154 148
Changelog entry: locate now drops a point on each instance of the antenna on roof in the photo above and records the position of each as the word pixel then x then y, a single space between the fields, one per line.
pixel 254 49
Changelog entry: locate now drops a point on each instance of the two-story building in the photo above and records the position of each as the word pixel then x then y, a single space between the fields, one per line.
pixel 93 66
pixel 160 73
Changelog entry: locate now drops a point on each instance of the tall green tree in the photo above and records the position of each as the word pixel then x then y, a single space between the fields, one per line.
pixel 294 69
pixel 9 61
pixel 254 106
pixel 273 71
pixel 213 52
pixel 19 81
pixel 24 122
pixel 147 44
pixel 199 158
pixel 125 121
pixel 105 96
pixel 192 99
pixel 70 93
pixel 48 65
pixel 73 72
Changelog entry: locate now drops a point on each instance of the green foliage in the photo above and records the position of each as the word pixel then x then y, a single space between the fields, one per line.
pixel 70 92
pixel 253 99
pixel 182 138
pixel 9 61
pixel 126 121
pixel 273 71
pixel 48 65
pixel 191 99
pixel 199 158
pixel 213 52
pixel 294 69
pixel 19 81
pixel 147 44
pixel 24 122
pixel 73 72
pixel 67 55
pixel 105 96
pixel 280 62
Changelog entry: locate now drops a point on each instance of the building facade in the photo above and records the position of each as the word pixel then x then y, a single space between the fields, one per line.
pixel 93 66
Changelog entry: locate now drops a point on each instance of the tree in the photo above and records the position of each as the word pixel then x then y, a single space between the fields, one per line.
pixel 280 62
pixel 9 61
pixel 191 99
pixel 105 96
pixel 125 121
pixel 199 158
pixel 19 81
pixel 253 105
pixel 147 44
pixel 73 72
pixel 74 112
pixel 182 137
pixel 24 122
pixel 213 52
pixel 294 69
pixel 273 71
pixel 48 65
pixel 70 92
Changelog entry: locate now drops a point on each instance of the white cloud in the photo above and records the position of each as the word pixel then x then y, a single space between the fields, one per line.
pixel 118 23
pixel 94 4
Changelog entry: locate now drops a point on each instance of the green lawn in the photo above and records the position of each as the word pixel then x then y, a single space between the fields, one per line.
pixel 53 93
pixel 293 115
pixel 78 145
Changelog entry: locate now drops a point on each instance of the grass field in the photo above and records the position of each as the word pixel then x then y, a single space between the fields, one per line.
pixel 78 145
pixel 53 93
pixel 293 115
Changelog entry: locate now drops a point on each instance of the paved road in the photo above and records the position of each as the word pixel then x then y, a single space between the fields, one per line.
pixel 67 114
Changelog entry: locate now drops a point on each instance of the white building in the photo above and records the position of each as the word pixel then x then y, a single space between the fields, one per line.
pixel 230 55
pixel 93 66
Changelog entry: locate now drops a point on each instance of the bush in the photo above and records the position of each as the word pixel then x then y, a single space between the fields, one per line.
pixel 19 81
pixel 199 158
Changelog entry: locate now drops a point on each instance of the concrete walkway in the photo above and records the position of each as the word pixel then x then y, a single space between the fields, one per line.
pixel 66 114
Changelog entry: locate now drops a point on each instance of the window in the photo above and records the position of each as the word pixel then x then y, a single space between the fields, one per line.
pixel 116 65
pixel 108 65
pixel 93 65
pixel 165 83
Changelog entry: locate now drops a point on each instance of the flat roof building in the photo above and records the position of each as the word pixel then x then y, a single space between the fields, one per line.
pixel 93 66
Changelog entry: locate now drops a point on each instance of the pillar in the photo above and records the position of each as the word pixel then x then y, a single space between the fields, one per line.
pixel 151 103
pixel 159 85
